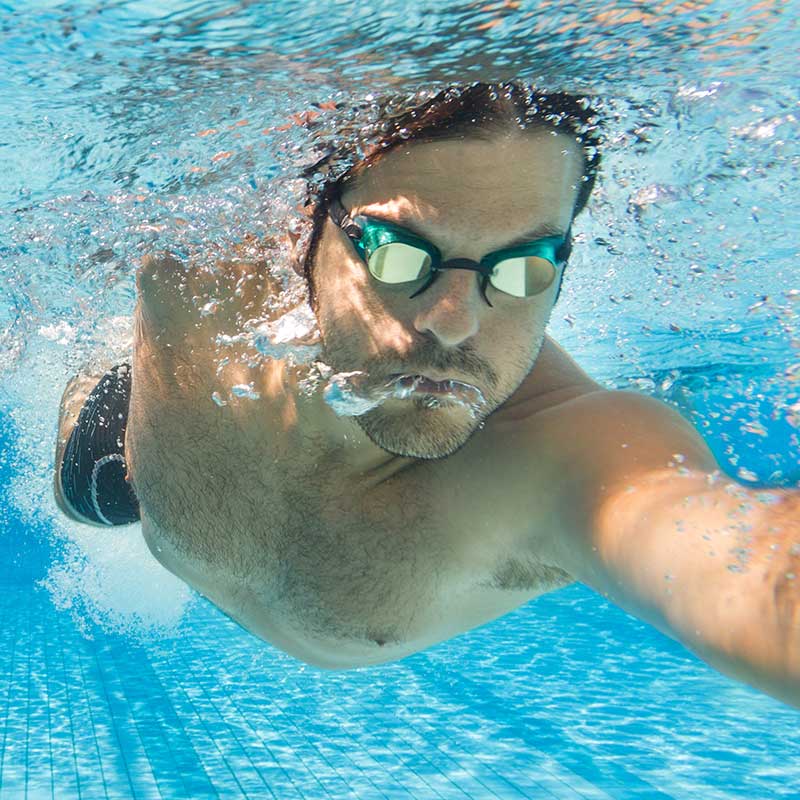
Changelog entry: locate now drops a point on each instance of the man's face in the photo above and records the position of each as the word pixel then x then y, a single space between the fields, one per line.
pixel 468 197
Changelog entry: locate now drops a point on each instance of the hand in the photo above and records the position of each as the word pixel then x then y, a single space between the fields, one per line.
pixel 197 330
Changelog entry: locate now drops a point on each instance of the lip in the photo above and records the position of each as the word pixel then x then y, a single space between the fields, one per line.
pixel 433 384
pixel 432 377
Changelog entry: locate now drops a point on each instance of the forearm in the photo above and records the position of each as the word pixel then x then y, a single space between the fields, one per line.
pixel 715 565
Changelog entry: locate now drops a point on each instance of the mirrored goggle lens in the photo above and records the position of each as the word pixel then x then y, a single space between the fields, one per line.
pixel 398 263
pixel 523 276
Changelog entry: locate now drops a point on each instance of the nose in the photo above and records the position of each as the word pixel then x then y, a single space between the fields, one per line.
pixel 451 308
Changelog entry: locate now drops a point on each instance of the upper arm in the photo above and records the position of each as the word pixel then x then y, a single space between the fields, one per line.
pixel 649 523
pixel 619 456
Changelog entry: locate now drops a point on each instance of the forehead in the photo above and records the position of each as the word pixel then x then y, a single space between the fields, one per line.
pixel 505 183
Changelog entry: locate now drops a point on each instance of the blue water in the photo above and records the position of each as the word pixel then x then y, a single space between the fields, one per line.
pixel 131 126
pixel 567 697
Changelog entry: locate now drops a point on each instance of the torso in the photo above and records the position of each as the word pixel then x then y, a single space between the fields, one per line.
pixel 340 569
pixel 365 574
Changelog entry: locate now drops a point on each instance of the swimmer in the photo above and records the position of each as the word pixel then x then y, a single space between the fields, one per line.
pixel 452 461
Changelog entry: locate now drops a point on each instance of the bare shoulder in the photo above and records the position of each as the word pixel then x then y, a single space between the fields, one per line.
pixel 593 446
pixel 605 437
pixel 579 426
pixel 630 415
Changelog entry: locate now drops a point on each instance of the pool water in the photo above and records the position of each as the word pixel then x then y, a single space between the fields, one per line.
pixel 134 126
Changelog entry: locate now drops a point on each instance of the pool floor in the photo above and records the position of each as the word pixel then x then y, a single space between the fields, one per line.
pixel 566 698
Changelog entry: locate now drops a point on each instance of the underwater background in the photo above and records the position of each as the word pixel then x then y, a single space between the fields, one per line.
pixel 131 127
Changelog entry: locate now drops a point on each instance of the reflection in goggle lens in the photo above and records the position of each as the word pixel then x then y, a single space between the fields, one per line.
pixel 523 276
pixel 399 263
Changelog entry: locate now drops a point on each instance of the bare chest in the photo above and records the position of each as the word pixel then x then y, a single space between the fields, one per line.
pixel 343 571
pixel 363 574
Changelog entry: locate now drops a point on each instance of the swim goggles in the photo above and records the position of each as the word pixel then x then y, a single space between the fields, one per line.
pixel 394 255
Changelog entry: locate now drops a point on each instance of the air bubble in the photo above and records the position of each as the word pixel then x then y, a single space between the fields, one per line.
pixel 351 394
pixel 245 390
pixel 294 334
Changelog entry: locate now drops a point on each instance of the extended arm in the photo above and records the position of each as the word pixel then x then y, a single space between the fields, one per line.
pixel 659 531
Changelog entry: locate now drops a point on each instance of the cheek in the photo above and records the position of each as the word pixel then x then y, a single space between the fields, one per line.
pixel 340 285
pixel 350 306
pixel 337 271
pixel 519 330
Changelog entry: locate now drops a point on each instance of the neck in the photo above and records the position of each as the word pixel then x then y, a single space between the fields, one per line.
pixel 352 449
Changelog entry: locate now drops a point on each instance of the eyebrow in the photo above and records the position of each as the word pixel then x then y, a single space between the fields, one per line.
pixel 543 230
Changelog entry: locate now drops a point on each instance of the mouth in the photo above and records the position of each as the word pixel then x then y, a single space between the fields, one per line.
pixel 351 394
pixel 405 385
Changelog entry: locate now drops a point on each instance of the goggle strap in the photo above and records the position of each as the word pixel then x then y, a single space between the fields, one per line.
pixel 344 220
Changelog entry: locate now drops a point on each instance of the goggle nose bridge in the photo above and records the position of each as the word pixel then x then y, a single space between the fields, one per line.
pixel 458 263
pixel 464 263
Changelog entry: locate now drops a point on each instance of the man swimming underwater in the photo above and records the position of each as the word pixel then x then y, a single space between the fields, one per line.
pixel 484 468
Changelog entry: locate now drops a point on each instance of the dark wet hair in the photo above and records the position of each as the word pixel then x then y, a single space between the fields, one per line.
pixel 479 109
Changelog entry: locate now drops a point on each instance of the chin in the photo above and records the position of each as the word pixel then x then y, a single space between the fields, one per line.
pixel 420 431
